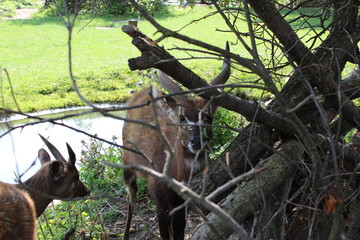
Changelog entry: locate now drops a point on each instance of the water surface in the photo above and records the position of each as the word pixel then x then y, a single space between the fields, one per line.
pixel 19 148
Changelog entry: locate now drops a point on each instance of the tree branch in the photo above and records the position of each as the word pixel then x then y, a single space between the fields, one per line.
pixel 321 72
pixel 157 57
pixel 244 200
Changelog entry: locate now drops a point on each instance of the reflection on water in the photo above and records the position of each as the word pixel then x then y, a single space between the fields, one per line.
pixel 19 148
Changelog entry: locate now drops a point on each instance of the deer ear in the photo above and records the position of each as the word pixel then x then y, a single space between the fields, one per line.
pixel 53 149
pixel 43 156
pixel 72 156
pixel 56 169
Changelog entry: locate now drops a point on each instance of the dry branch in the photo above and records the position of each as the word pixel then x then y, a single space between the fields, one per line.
pixel 244 201
pixel 154 56
pixel 315 81
pixel 320 71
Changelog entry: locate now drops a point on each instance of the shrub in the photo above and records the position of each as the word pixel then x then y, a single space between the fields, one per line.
pixel 7 8
pixel 224 124
pixel 97 176
pixel 104 7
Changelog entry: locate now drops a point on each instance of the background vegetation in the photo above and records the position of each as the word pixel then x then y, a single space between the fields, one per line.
pixel 38 63
pixel 34 54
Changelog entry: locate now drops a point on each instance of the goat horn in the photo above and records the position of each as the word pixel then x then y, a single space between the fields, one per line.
pixel 53 150
pixel 168 84
pixel 225 71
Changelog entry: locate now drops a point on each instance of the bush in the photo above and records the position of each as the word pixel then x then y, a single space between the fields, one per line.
pixel 8 7
pixel 98 177
pixel 104 7
pixel 224 124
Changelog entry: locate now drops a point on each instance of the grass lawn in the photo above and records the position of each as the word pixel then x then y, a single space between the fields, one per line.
pixel 34 53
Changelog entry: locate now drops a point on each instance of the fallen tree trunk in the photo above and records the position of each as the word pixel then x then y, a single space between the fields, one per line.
pixel 245 199
pixel 242 154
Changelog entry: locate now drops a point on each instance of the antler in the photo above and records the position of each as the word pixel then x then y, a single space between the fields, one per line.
pixel 167 83
pixel 225 72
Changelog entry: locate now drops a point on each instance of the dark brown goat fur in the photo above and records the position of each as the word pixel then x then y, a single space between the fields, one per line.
pixel 21 204
pixel 186 125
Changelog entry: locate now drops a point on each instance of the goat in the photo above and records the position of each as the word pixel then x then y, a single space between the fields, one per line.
pixel 186 125
pixel 21 204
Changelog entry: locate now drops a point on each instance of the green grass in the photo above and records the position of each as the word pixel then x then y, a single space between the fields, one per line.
pixel 34 52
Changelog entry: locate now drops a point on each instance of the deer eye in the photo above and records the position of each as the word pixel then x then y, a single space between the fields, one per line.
pixel 208 119
pixel 182 118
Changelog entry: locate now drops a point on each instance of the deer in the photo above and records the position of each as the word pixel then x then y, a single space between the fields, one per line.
pixel 185 123
pixel 22 203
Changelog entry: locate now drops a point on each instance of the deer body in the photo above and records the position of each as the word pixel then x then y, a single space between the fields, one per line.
pixel 17 214
pixel 21 204
pixel 186 125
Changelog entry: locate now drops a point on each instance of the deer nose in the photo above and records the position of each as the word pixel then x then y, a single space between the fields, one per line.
pixel 195 142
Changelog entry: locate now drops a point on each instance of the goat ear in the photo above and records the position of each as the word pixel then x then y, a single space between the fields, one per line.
pixel 53 149
pixel 56 169
pixel 43 156
pixel 72 156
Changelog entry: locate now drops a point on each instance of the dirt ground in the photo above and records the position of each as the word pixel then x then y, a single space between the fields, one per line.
pixel 144 222
pixel 23 13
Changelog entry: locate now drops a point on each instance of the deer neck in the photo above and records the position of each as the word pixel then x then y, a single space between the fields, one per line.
pixel 38 193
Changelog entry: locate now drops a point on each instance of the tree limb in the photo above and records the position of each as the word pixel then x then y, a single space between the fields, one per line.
pixel 320 72
pixel 245 199
pixel 157 57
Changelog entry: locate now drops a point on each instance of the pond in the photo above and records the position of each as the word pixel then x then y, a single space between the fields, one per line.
pixel 19 148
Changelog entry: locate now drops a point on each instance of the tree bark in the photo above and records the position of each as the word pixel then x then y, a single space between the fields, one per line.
pixel 246 198
pixel 314 92
pixel 320 69
pixel 242 154
pixel 157 57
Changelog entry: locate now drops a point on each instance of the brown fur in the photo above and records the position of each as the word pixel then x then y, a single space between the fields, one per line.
pixel 186 126
pixel 17 214
pixel 151 145
pixel 21 204
pixel 43 188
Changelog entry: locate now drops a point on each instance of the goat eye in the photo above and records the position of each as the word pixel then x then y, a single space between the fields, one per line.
pixel 182 118
pixel 208 119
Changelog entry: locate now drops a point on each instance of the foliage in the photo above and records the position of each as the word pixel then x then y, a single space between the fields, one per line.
pixel 38 66
pixel 8 7
pixel 99 178
pixel 226 122
pixel 104 7
pixel 83 216
pixel 155 6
